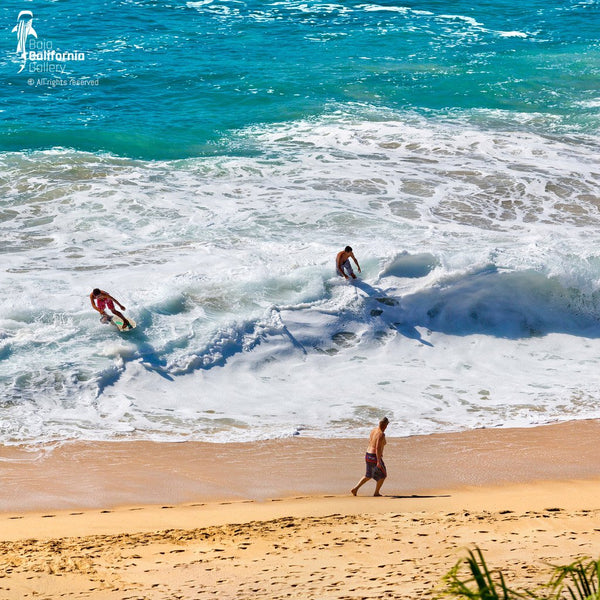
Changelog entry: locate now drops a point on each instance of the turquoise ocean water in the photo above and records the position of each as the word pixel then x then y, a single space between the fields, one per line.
pixel 205 160
pixel 181 79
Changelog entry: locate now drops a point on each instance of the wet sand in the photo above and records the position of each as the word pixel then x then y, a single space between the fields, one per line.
pixel 276 520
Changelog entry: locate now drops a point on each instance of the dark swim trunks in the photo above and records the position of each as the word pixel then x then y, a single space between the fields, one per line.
pixel 373 471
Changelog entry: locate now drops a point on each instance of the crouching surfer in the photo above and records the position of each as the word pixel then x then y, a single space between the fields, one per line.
pixel 342 263
pixel 102 300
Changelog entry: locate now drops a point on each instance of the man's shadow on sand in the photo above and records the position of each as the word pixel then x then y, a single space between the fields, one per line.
pixel 407 330
pixel 415 496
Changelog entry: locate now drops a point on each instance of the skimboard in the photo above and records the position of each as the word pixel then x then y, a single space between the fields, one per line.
pixel 118 322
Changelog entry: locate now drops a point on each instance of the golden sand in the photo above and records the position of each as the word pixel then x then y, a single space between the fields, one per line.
pixel 311 545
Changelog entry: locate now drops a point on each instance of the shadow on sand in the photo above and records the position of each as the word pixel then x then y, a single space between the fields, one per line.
pixel 415 496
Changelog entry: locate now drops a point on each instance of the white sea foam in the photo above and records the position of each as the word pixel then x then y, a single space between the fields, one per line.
pixel 595 103
pixel 477 304
pixel 382 8
pixel 469 20
pixel 509 34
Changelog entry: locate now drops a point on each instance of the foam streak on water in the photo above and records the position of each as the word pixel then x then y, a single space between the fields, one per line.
pixel 477 305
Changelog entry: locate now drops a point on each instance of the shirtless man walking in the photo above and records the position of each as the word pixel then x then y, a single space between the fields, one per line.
pixel 342 263
pixel 374 458
pixel 102 300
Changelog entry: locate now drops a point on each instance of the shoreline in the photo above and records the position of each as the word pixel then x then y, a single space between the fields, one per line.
pixel 86 475
pixel 158 524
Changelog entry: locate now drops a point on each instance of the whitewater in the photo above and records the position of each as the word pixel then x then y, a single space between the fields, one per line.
pixel 207 161
pixel 477 305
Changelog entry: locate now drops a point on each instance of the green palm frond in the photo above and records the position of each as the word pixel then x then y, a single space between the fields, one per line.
pixel 580 579
pixel 483 585
pixel 577 581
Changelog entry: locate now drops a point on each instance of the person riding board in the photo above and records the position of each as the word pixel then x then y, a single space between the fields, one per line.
pixel 342 263
pixel 102 300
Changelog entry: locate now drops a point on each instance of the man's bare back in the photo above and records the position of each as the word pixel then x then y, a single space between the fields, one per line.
pixel 376 441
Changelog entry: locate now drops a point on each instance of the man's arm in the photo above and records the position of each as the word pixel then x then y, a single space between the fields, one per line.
pixel 354 259
pixel 115 301
pixel 93 301
pixel 379 447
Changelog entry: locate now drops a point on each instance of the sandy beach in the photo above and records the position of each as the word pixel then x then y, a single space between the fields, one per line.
pixel 275 519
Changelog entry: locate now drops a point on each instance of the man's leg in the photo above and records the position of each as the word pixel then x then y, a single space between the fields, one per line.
pixel 122 317
pixel 348 270
pixel 359 485
pixel 378 487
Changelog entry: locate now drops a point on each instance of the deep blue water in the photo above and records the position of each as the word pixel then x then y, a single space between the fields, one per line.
pixel 181 79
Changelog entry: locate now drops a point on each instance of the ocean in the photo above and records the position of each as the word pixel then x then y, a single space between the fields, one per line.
pixel 205 161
